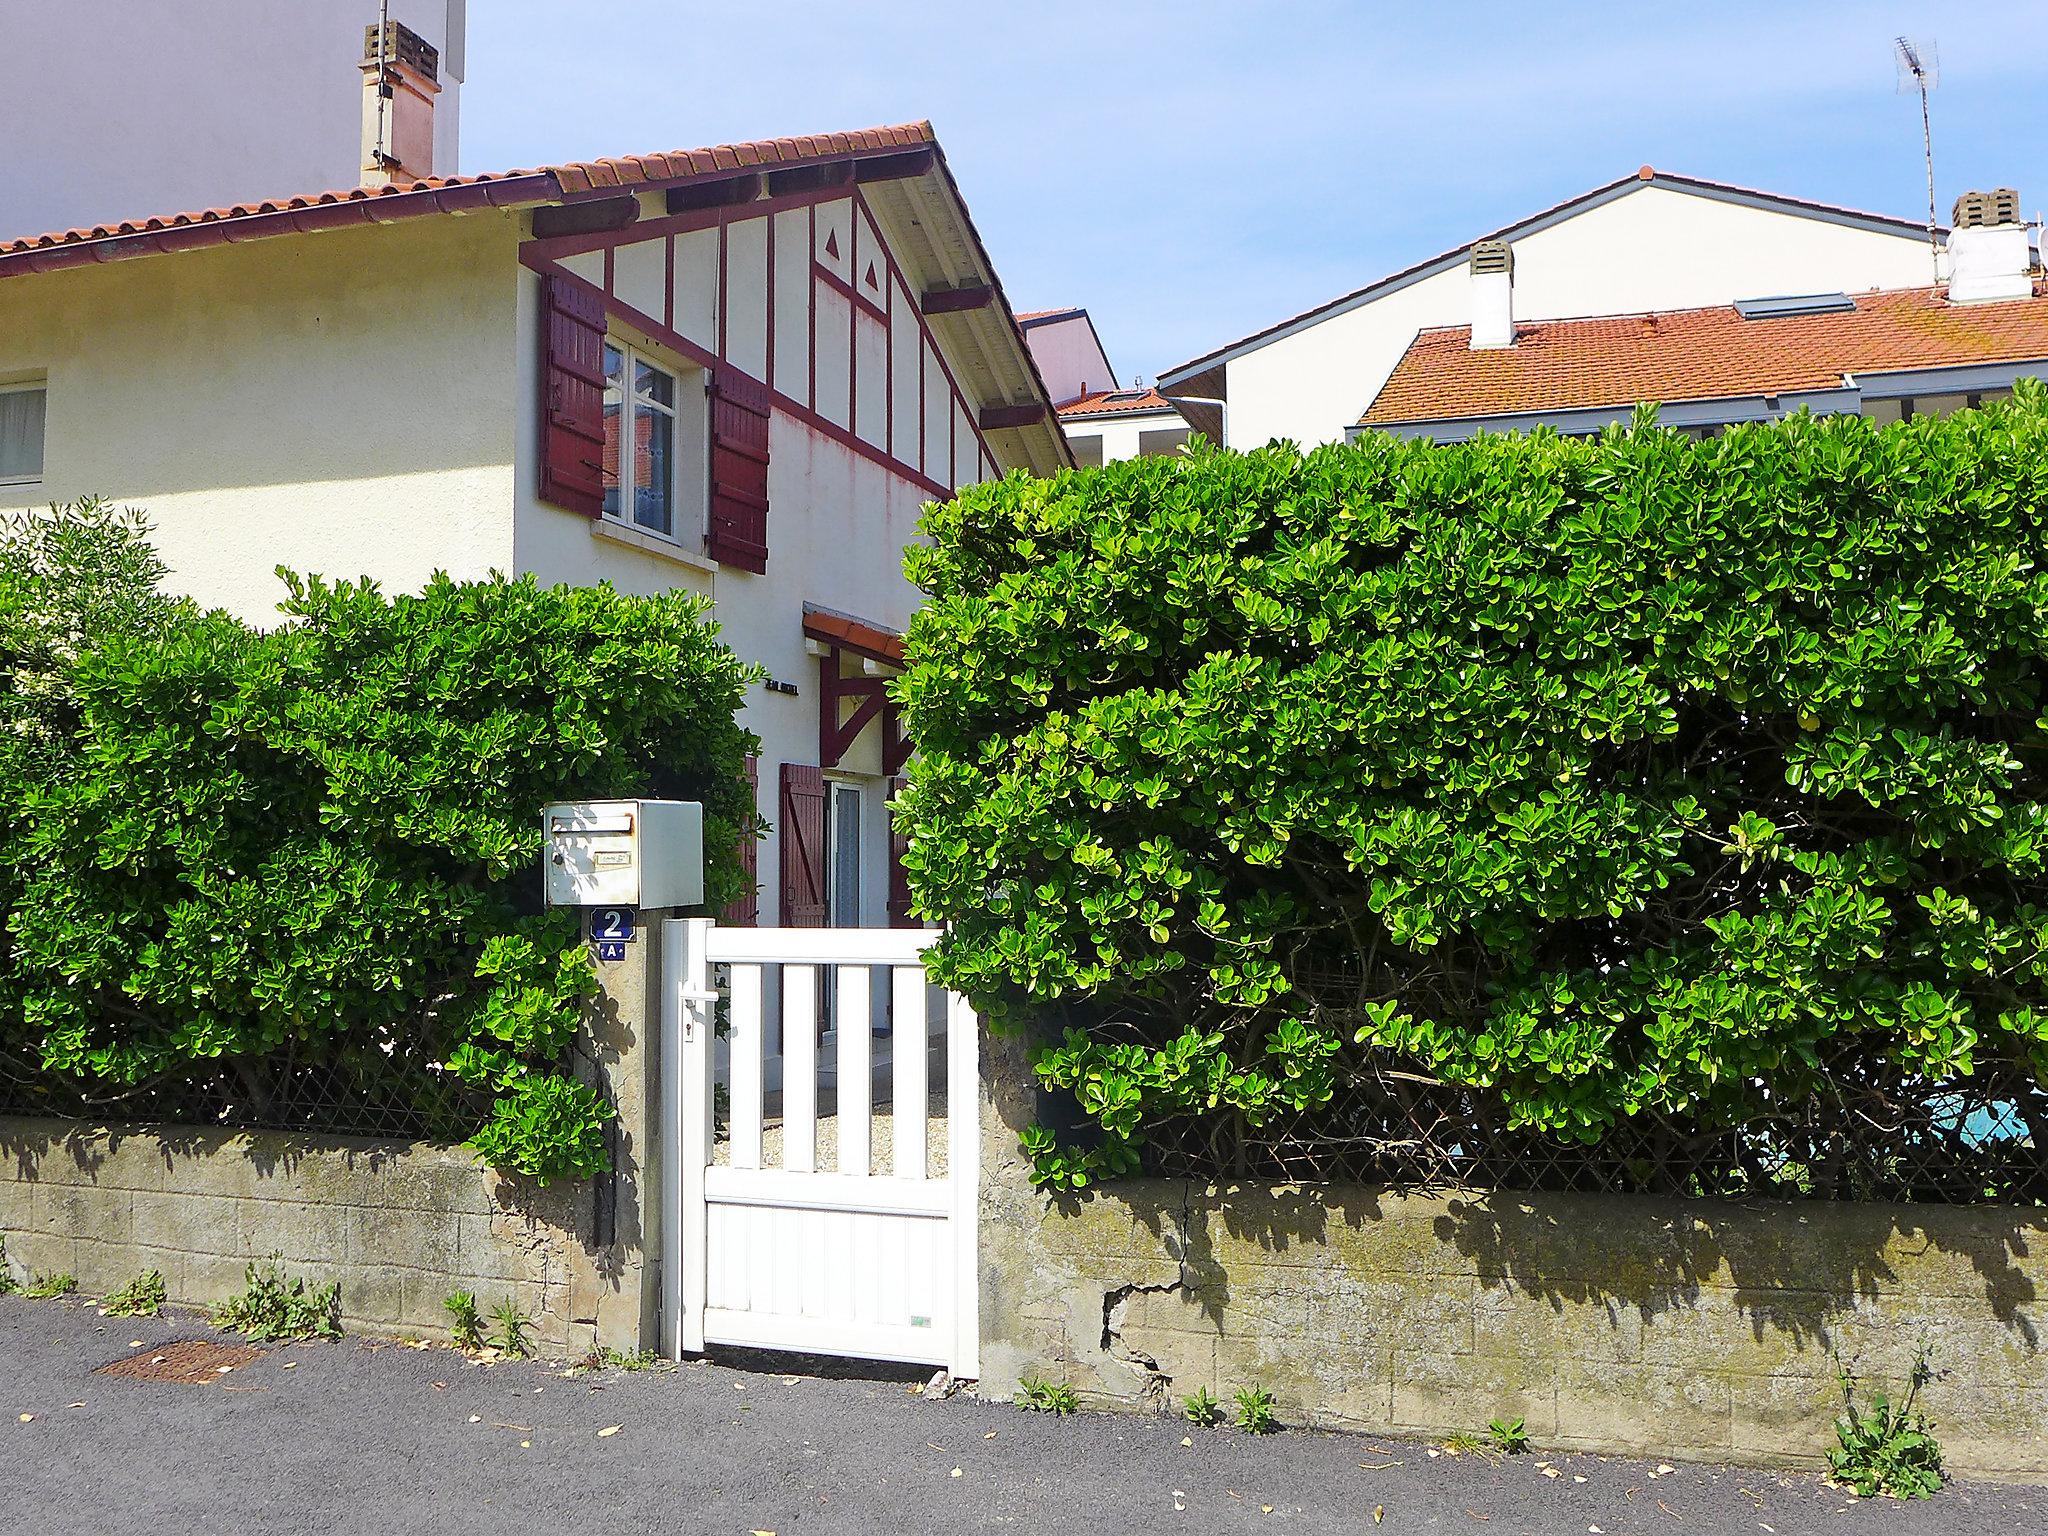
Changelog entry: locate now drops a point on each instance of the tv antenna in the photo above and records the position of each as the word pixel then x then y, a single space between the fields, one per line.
pixel 1920 70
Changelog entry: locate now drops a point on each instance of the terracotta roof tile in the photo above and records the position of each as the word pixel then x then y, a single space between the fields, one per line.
pixel 1700 354
pixel 540 184
pixel 1116 402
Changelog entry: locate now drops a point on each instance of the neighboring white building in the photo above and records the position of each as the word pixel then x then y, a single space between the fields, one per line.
pixel 1888 354
pixel 1122 424
pixel 739 371
pixel 1103 423
pixel 1651 241
pixel 116 109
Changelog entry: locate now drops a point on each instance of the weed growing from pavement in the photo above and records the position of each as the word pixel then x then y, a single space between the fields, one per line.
pixel 141 1297
pixel 1200 1407
pixel 1041 1396
pixel 1464 1443
pixel 42 1287
pixel 608 1358
pixel 1255 1411
pixel 8 1284
pixel 465 1324
pixel 1509 1436
pixel 1886 1450
pixel 273 1306
pixel 510 1336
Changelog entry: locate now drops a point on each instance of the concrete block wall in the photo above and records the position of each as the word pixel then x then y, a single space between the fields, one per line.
pixel 1616 1324
pixel 400 1225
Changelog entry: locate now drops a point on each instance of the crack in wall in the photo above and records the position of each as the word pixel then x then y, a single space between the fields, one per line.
pixel 1154 1382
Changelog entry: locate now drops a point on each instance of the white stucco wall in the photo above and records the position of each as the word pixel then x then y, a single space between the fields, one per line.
pixel 1120 434
pixel 117 109
pixel 341 403
pixel 1653 248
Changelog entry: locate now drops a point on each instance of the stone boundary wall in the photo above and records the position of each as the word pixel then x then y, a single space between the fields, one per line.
pixel 1656 1327
pixel 400 1225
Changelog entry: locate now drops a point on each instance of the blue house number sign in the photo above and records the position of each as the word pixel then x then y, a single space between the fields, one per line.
pixel 611 928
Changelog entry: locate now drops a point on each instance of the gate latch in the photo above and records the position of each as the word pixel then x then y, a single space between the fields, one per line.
pixel 691 999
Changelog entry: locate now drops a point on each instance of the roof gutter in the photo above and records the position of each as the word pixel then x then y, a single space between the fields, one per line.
pixel 265 222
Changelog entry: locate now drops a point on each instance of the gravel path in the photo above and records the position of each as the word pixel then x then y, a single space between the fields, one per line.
pixel 373 1438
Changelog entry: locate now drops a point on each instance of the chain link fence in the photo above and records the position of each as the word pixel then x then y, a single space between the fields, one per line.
pixel 1985 1140
pixel 379 1094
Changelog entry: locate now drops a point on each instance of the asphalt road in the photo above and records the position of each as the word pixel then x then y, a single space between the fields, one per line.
pixel 372 1438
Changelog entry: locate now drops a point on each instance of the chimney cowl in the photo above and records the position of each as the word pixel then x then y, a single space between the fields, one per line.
pixel 1990 257
pixel 403 46
pixel 1493 295
pixel 1986 210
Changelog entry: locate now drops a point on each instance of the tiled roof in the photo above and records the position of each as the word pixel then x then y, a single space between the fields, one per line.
pixel 548 183
pixel 855 634
pixel 1644 175
pixel 1700 354
pixel 1116 402
pixel 1028 317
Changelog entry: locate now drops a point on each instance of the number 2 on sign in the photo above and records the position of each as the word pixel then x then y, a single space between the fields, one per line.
pixel 611 924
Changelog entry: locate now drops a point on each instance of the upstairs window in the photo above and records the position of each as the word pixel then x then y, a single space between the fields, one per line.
pixel 639 441
pixel 22 409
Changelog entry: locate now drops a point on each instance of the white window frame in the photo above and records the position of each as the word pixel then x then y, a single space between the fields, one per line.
pixel 42 387
pixel 630 359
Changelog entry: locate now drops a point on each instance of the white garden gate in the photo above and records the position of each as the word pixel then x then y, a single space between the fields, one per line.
pixel 835 1215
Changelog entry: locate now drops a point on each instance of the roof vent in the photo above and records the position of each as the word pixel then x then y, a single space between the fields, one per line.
pixel 1794 304
pixel 1493 256
pixel 1987 210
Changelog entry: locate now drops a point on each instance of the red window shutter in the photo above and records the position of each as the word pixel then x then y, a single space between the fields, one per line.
pixel 899 878
pixel 739 470
pixel 803 846
pixel 746 912
pixel 572 396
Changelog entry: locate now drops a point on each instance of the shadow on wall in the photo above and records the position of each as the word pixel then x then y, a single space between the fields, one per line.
pixel 1810 1282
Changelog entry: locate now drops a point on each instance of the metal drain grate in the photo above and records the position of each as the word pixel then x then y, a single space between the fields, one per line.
pixel 188 1360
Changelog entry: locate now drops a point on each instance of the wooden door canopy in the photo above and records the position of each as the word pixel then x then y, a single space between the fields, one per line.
pixel 841 635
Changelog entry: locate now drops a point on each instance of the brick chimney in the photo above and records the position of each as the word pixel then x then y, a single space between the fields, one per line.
pixel 1493 295
pixel 401 78
pixel 1988 254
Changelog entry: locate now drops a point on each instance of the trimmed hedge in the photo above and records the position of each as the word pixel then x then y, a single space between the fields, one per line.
pixel 320 844
pixel 1636 776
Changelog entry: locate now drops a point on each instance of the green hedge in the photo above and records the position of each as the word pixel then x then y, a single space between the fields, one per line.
pixel 320 843
pixel 1598 779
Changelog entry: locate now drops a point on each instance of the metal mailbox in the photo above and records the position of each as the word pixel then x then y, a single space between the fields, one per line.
pixel 624 853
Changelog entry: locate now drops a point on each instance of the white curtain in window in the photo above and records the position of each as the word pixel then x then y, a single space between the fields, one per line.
pixel 21 434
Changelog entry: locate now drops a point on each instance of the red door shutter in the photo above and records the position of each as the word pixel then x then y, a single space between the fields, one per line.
pixel 803 846
pixel 746 912
pixel 739 470
pixel 899 878
pixel 572 396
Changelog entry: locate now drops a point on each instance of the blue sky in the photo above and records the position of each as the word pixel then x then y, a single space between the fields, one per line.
pixel 1191 172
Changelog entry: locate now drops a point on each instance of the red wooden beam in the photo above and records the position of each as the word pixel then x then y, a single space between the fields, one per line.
pixel 585 218
pixel 948 301
pixel 895 167
pixel 837 735
pixel 724 193
pixel 809 178
pixel 995 417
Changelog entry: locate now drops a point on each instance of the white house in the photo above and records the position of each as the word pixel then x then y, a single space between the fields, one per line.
pixel 739 371
pixel 116 108
pixel 1887 354
pixel 1103 423
pixel 1651 241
